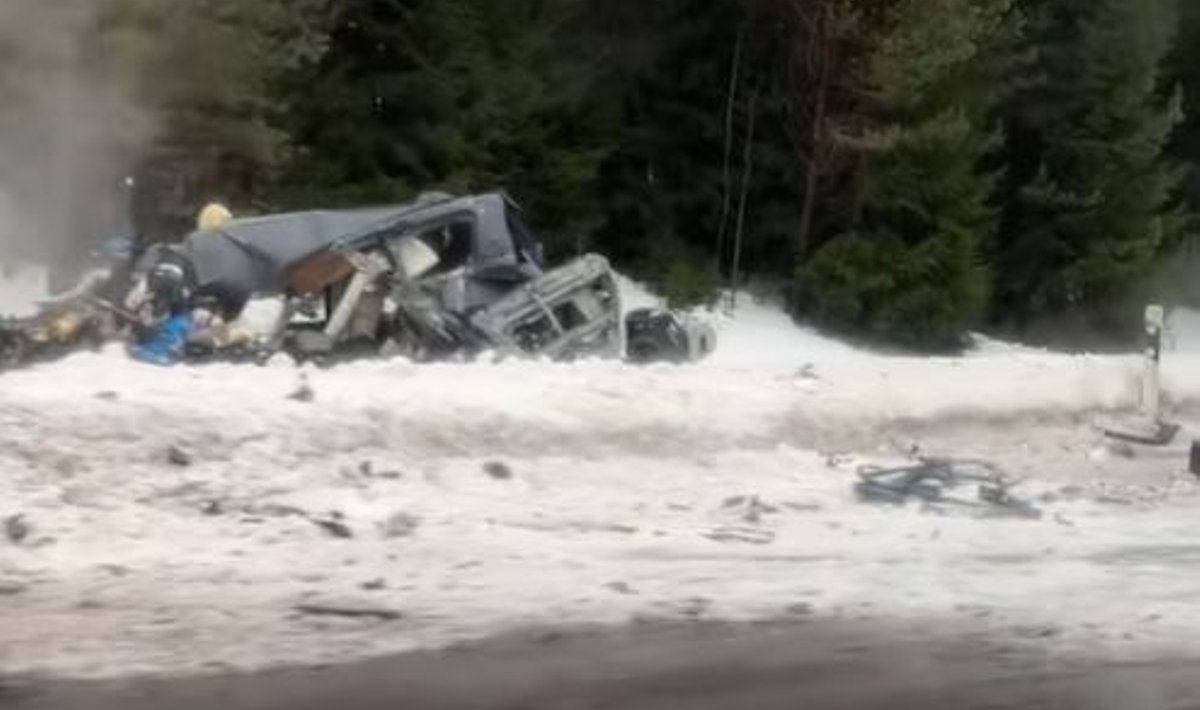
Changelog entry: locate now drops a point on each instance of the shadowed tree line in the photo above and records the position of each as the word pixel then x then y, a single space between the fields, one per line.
pixel 910 169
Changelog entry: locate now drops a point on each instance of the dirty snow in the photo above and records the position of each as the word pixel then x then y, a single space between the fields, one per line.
pixel 472 499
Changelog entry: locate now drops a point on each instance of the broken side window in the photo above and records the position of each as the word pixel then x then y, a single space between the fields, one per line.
pixel 453 242
pixel 525 243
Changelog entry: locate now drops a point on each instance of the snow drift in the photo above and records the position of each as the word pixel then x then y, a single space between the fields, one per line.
pixel 185 519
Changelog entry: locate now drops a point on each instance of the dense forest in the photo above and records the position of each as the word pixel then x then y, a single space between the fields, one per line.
pixel 909 169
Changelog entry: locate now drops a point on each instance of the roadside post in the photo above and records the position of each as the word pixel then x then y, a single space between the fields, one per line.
pixel 1151 377
pixel 1148 427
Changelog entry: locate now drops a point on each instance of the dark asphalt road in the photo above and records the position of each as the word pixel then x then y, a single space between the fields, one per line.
pixel 700 667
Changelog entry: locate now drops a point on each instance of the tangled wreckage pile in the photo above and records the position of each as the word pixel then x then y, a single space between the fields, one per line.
pixel 439 278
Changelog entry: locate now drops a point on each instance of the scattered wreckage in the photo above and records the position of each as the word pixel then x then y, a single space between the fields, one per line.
pixel 62 325
pixel 440 278
pixel 945 486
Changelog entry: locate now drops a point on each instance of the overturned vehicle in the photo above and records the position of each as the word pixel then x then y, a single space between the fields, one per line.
pixel 440 278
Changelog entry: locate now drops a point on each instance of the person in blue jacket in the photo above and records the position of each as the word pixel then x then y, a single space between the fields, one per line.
pixel 162 335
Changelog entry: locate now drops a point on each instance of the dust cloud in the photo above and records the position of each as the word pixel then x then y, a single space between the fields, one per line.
pixel 69 130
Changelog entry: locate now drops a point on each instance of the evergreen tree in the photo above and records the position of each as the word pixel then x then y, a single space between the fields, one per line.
pixel 459 95
pixel 848 145
pixel 686 89
pixel 908 267
pixel 1089 197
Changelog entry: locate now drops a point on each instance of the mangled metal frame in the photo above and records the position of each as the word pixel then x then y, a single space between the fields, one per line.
pixel 499 298
pixel 933 482
pixel 383 286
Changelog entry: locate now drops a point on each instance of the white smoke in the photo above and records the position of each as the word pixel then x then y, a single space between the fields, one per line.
pixel 69 128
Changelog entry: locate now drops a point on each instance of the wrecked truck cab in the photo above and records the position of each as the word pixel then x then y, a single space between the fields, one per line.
pixel 438 278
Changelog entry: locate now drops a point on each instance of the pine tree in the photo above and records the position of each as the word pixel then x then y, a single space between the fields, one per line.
pixel 1089 198
pixel 908 266
pixel 460 95
pixel 674 91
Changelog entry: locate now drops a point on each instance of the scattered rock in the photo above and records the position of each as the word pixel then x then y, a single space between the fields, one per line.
pixel 799 507
pixel 800 609
pixel 695 607
pixel 65 468
pixel 212 508
pixel 274 510
pixel 975 611
pixel 1037 632
pixel 549 636
pixel 17 529
pixel 1122 450
pixel 401 525
pixel 621 588
pixel 12 589
pixel 108 396
pixel 179 457
pixel 116 570
pixel 617 528
pixel 1072 493
pixel 89 604
pixel 304 393
pixel 749 509
pixel 334 526
pixel 349 610
pixel 741 535
pixel 497 470
pixel 374 585
pixel 838 461
pixel 366 469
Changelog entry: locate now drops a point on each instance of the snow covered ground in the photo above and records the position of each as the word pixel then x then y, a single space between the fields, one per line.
pixel 190 519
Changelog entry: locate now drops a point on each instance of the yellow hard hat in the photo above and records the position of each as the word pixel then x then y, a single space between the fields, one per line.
pixel 213 216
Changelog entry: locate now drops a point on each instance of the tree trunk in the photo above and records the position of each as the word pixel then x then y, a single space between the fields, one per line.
pixel 822 46
pixel 747 176
pixel 727 166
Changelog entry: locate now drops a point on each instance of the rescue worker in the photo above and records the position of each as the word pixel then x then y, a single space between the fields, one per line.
pixel 165 320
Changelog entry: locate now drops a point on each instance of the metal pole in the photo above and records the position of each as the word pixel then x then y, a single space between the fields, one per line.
pixel 1151 381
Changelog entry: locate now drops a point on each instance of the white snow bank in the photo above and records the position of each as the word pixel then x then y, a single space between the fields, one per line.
pixel 661 491
pixel 159 569
pixel 535 408
pixel 760 334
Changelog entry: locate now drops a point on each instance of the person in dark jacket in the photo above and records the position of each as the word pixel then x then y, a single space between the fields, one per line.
pixel 161 335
